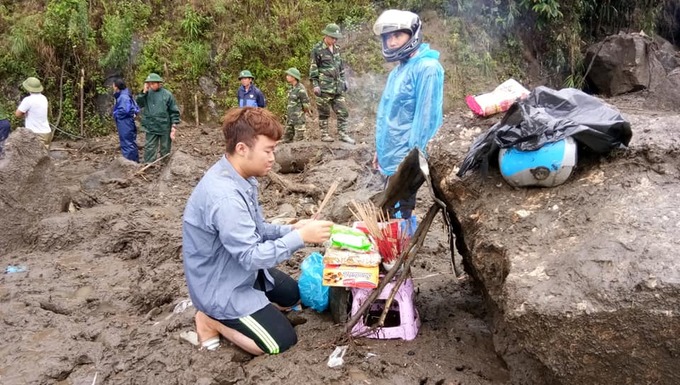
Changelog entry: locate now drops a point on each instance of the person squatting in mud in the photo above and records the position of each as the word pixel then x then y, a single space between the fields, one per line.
pixel 230 251
pixel 410 110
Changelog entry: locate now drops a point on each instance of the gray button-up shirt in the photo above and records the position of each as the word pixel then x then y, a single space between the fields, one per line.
pixel 225 242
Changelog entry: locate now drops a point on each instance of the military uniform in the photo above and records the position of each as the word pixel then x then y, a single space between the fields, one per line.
pixel 298 104
pixel 327 72
pixel 159 114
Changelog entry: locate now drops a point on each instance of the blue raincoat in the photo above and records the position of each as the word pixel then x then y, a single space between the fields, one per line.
pixel 410 110
pixel 124 112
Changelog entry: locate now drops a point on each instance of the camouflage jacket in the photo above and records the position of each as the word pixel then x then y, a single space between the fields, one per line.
pixel 327 69
pixel 298 104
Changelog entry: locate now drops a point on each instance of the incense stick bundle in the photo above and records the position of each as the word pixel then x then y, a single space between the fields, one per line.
pixel 390 243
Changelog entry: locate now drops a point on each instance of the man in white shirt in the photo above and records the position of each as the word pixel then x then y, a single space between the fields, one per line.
pixel 34 109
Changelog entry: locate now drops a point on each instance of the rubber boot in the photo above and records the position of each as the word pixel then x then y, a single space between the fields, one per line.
pixel 346 138
pixel 299 136
pixel 288 135
pixel 323 127
pixel 207 330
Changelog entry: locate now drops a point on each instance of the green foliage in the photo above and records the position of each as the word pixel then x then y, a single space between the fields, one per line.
pixel 117 31
pixel 193 59
pixel 155 54
pixel 483 42
pixel 66 22
pixel 194 25
pixel 547 10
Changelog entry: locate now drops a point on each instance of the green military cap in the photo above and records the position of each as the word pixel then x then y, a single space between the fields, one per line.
pixel 32 85
pixel 245 74
pixel 332 30
pixel 294 72
pixel 153 78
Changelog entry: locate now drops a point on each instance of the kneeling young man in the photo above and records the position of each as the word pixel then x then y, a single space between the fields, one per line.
pixel 230 251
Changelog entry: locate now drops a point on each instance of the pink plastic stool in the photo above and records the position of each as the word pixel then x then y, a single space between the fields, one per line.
pixel 402 320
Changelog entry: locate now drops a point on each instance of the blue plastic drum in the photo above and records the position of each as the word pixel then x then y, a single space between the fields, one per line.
pixel 549 166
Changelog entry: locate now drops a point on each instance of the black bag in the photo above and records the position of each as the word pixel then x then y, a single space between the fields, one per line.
pixel 547 116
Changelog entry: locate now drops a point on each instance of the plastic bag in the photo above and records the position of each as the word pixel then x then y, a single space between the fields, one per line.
pixel 347 238
pixel 312 291
pixel 548 116
pixel 498 100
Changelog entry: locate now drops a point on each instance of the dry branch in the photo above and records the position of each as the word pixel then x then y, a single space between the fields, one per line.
pixel 307 189
pixel 141 170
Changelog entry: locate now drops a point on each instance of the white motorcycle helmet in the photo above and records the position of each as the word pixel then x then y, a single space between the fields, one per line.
pixel 395 20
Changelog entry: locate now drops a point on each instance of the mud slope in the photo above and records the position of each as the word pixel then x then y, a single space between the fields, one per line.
pixel 583 280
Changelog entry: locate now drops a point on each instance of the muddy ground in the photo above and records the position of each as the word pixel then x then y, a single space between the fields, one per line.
pixel 104 274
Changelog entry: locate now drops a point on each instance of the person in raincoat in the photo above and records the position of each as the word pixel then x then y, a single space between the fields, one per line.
pixel 4 130
pixel 410 109
pixel 248 94
pixel 124 112
pixel 160 117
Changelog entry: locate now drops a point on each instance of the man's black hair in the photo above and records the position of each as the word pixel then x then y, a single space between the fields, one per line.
pixel 120 84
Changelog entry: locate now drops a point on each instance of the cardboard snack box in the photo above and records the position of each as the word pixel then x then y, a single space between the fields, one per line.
pixel 350 276
pixel 334 256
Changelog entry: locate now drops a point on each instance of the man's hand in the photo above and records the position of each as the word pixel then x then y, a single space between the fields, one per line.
pixel 173 130
pixel 298 225
pixel 146 87
pixel 317 91
pixel 315 231
pixel 375 164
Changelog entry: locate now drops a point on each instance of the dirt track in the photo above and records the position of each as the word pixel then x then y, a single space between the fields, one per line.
pixel 103 281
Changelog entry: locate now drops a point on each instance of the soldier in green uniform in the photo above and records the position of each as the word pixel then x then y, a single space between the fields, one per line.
pixel 327 73
pixel 298 106
pixel 160 117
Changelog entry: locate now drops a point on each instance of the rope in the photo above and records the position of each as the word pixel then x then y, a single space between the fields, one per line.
pixel 64 132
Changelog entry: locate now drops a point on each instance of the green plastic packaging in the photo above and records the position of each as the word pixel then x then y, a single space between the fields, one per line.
pixel 343 237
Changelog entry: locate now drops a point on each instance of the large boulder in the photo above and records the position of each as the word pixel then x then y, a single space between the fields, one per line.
pixel 28 191
pixel 624 63
pixel 583 280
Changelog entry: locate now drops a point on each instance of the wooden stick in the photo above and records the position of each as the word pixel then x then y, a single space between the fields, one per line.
pixel 141 170
pixel 329 193
pixel 196 107
pixel 64 149
pixel 82 101
pixel 307 189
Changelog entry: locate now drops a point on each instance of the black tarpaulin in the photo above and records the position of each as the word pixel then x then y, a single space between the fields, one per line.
pixel 547 116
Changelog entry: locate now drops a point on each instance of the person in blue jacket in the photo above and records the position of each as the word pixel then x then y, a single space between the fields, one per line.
pixel 124 112
pixel 410 109
pixel 248 94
